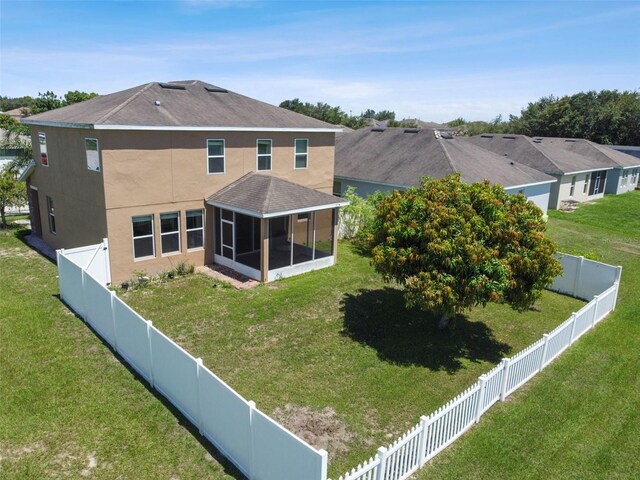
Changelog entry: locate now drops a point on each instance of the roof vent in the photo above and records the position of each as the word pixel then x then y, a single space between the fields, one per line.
pixel 172 86
pixel 509 138
pixel 571 140
pixel 536 141
pixel 216 90
pixel 377 129
pixel 410 130
pixel 510 163
pixel 157 103
pixel 486 136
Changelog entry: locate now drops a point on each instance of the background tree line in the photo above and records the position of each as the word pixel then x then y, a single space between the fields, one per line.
pixel 609 117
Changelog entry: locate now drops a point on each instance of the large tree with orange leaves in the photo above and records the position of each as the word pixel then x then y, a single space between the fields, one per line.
pixel 454 245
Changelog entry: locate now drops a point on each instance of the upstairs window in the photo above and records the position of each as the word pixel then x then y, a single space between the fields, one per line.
pixel 170 232
pixel 195 229
pixel 44 158
pixel 215 156
pixel 93 155
pixel 301 146
pixel 143 236
pixel 52 215
pixel 264 154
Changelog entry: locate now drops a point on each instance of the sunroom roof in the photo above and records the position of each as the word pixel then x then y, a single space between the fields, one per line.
pixel 265 196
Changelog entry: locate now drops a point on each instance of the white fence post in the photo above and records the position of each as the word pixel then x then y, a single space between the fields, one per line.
pixel 544 351
pixel 615 298
pixel 573 328
pixel 424 424
pixel 576 279
pixel 618 274
pixel 199 366
pixel 151 376
pixel 595 311
pixel 382 455
pixel 505 377
pixel 483 382
pixel 252 446
pixel 325 462
pixel 113 320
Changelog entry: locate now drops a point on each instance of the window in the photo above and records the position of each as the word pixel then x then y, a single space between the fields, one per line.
pixel 303 217
pixel 634 176
pixel 170 232
pixel 52 215
pixel 44 158
pixel 93 156
pixel 264 154
pixel 215 156
pixel 573 186
pixel 301 146
pixel 195 229
pixel 143 236
pixel 585 188
pixel 337 189
pixel 623 180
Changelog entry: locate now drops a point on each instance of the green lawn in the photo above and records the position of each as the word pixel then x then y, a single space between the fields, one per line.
pixel 338 338
pixel 580 418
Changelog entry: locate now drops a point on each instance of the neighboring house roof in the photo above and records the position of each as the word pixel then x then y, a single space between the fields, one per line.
pixel 400 157
pixel 180 105
pixel 594 151
pixel 18 113
pixel 628 149
pixel 27 170
pixel 549 155
pixel 266 196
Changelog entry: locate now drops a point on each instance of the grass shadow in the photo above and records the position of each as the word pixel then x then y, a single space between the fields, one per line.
pixel 378 319
pixel 228 466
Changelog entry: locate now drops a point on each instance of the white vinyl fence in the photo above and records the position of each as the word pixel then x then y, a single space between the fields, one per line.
pixel 263 449
pixel 582 278
pixel 260 448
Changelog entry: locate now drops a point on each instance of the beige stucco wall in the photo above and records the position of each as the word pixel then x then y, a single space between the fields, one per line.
pixel 77 192
pixel 579 195
pixel 157 172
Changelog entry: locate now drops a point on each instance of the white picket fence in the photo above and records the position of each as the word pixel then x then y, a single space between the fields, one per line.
pixel 263 449
pixel 260 448
pixel 582 278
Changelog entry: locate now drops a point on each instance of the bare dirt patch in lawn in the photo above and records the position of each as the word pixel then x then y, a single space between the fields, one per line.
pixel 320 428
pixel 13 454
pixel 17 252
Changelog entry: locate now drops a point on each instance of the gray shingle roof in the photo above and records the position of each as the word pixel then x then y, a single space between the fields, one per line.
pixel 594 151
pixel 267 196
pixel 549 155
pixel 399 158
pixel 190 103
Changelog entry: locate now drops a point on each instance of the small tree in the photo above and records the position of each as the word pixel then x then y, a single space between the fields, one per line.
pixel 12 193
pixel 454 245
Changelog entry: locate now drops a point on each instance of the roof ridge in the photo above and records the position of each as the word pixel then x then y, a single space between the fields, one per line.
pixel 446 154
pixel 269 196
pixel 125 103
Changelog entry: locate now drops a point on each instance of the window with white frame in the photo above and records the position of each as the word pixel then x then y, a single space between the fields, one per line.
pixel 52 215
pixel 44 157
pixel 623 180
pixel 301 146
pixel 215 156
pixel 195 229
pixel 573 186
pixel 585 187
pixel 264 154
pixel 143 245
pixel 170 232
pixel 634 176
pixel 93 154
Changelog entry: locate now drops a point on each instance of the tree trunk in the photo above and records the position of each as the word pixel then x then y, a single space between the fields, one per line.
pixel 4 219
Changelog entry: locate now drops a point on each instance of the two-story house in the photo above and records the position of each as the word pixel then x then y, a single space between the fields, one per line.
pixel 186 171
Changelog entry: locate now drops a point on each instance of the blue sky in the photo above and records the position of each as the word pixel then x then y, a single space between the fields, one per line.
pixel 431 60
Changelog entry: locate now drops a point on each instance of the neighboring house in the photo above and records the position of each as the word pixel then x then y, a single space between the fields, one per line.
pixel 186 171
pixel 622 178
pixel 580 177
pixel 628 149
pixel 376 159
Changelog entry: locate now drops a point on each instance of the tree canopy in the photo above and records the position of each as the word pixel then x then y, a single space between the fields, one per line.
pixel 336 116
pixel 453 245
pixel 607 117
pixel 12 193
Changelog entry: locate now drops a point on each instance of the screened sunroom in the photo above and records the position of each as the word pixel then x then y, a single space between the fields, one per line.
pixel 268 228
